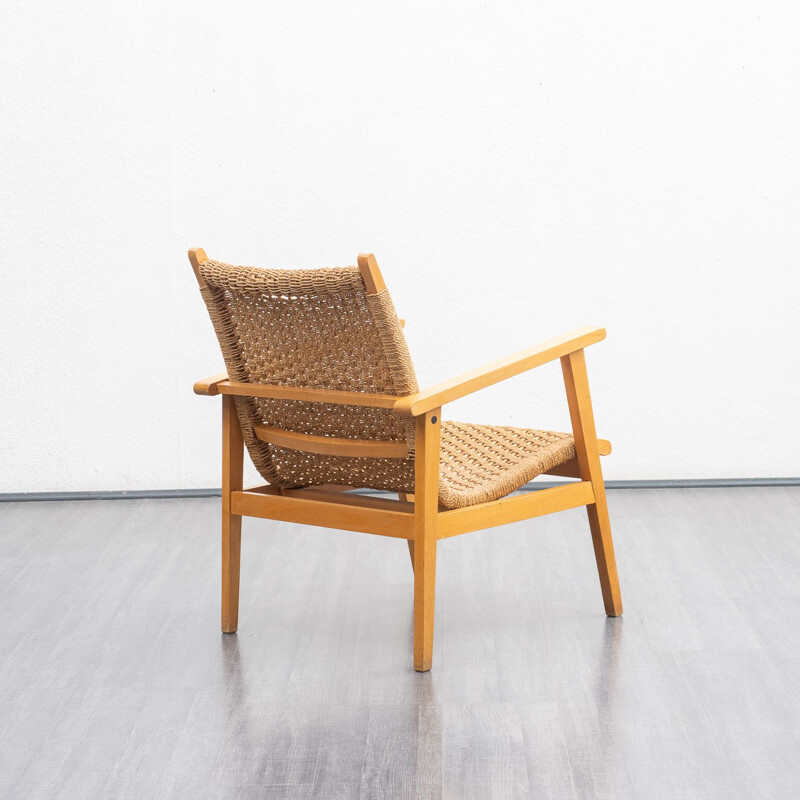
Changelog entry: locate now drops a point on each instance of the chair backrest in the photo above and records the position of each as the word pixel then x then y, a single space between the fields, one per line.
pixel 333 329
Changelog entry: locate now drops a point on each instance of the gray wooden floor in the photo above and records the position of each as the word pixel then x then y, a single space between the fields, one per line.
pixel 115 680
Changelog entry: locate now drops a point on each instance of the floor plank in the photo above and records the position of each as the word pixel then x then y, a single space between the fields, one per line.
pixel 116 682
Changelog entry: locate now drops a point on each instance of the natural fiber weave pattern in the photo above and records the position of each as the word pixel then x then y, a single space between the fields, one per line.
pixel 314 329
pixel 480 463
pixel 319 329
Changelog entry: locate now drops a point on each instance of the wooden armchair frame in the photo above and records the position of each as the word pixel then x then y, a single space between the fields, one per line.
pixel 418 518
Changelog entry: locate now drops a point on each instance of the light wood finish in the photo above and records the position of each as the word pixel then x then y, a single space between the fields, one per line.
pixel 330 445
pixel 368 267
pixel 348 499
pixel 571 468
pixel 327 491
pixel 209 387
pixel 508 367
pixel 196 257
pixel 232 470
pixel 415 518
pixel 405 497
pixel 310 395
pixel 514 509
pixel 219 384
pixel 576 382
pixel 329 513
pixel 426 505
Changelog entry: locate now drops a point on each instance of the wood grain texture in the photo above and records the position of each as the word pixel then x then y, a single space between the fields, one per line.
pixel 404 498
pixel 348 498
pixel 426 504
pixel 514 509
pixel 504 368
pixel 210 386
pixel 196 257
pixel 370 273
pixel 232 472
pixel 327 513
pixel 695 692
pixel 330 445
pixel 219 384
pixel 576 382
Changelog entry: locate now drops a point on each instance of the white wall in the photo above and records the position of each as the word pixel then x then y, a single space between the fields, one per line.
pixel 518 168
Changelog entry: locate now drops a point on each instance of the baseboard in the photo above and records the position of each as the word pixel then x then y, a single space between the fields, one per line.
pixel 137 494
pixel 681 483
pixel 142 494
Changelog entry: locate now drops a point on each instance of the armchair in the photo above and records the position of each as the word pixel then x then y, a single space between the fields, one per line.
pixel 320 389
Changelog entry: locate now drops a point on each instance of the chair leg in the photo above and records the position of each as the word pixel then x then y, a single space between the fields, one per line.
pixel 603 544
pixel 426 509
pixel 424 599
pixel 576 382
pixel 232 470
pixel 404 496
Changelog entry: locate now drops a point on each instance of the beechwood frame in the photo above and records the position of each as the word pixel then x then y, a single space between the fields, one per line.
pixel 415 518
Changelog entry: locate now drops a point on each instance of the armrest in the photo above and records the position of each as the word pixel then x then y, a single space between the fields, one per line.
pixel 221 384
pixel 209 386
pixel 447 391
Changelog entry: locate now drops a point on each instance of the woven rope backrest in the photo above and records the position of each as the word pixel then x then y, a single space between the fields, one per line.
pixel 315 329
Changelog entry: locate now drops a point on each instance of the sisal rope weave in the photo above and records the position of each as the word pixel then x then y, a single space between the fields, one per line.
pixel 320 329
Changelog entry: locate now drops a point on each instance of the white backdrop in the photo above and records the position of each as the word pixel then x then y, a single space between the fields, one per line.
pixel 518 168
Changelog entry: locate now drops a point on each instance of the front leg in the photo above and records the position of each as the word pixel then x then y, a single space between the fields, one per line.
pixel 426 509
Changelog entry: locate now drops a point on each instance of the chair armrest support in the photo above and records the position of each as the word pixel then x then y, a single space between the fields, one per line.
pixel 469 382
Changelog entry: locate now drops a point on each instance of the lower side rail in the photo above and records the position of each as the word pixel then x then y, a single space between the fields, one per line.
pixel 514 509
pixel 396 518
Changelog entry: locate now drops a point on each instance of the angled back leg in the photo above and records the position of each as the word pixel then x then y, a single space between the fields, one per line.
pixel 232 472
pixel 232 469
pixel 374 283
pixel 408 498
pixel 576 382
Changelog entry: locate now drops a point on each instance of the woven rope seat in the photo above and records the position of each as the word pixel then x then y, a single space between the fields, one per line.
pixel 322 329
pixel 480 463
